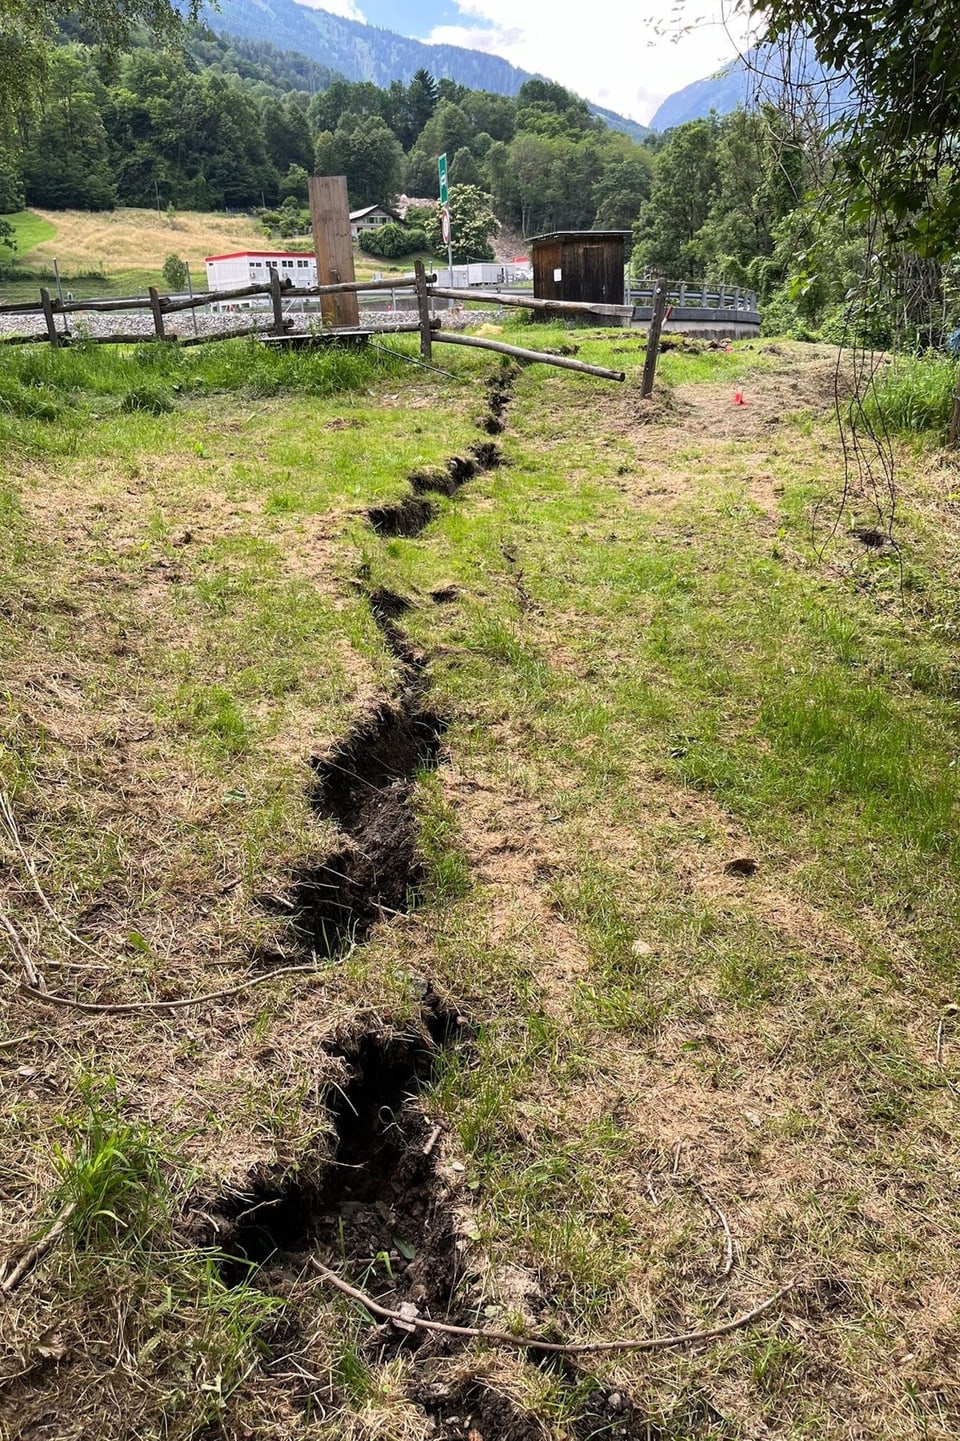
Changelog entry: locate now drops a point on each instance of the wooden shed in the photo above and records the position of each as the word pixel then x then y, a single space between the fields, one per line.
pixel 580 265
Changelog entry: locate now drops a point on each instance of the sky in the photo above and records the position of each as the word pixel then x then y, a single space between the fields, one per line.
pixel 607 51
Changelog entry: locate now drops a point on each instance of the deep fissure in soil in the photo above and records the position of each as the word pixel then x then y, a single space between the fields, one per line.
pixel 374 1205
pixel 365 784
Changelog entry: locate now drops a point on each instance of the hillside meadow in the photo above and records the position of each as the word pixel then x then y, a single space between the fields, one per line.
pixel 482 839
pixel 122 251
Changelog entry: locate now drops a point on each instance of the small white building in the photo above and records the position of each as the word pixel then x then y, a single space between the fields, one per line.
pixel 369 218
pixel 252 267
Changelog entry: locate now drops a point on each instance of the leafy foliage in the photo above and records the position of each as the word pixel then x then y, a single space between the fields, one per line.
pixel 900 146
pixel 175 272
pixel 392 240
pixel 112 1176
pixel 472 223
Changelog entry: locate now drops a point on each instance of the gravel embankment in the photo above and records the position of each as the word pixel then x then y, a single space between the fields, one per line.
pixel 138 324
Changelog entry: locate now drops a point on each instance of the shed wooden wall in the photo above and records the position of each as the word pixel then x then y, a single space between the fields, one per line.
pixel 589 269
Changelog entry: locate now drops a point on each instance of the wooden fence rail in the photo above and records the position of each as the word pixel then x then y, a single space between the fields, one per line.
pixel 528 302
pixel 169 303
pixel 277 290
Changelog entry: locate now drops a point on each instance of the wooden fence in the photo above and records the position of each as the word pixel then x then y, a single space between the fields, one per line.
pixel 51 308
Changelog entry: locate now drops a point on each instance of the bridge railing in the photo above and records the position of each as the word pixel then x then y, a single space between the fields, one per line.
pixel 694 295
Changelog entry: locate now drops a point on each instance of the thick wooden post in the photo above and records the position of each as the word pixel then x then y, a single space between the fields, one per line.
pixel 157 313
pixel 277 298
pixel 47 304
pixel 423 305
pixel 333 243
pixel 653 337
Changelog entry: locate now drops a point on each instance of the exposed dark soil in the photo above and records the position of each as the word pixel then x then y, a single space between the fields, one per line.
pixel 365 784
pixel 473 1411
pixel 613 1417
pixel 441 481
pixel 377 875
pixel 389 744
pixel 376 1205
pixel 488 456
pixel 387 604
pixel 408 517
pixel 870 537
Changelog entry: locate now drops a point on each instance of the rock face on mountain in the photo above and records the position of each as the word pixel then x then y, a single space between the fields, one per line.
pixel 760 75
pixel 366 52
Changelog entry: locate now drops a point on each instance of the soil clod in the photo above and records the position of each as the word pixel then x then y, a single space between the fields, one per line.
pixel 475 1410
pixel 488 456
pixel 408 517
pixel 870 537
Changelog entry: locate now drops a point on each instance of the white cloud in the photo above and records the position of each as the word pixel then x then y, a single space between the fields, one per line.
pixel 346 8
pixel 607 53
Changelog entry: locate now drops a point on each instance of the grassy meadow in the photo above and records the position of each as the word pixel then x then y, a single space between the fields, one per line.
pixel 688 874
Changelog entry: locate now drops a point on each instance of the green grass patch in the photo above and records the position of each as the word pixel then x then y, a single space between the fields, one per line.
pixel 29 229
pixel 913 395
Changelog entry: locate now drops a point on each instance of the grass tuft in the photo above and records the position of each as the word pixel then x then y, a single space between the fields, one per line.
pixel 112 1174
pixel 913 395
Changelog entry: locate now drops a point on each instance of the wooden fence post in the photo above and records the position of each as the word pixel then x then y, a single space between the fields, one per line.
pixel 653 337
pixel 423 304
pixel 47 304
pixel 333 245
pixel 276 297
pixel 157 312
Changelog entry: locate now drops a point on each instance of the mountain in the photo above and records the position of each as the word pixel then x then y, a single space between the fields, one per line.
pixel 760 75
pixel 367 52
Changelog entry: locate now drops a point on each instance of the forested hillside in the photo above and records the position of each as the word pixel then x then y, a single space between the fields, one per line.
pixel 239 125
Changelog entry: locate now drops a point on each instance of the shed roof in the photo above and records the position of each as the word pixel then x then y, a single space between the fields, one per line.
pixel 581 235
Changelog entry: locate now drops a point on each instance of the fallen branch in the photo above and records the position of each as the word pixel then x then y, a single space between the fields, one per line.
pixel 98 1008
pixel 406 1320
pixel 13 1272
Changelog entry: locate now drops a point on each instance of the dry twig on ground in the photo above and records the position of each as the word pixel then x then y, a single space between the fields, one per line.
pixel 406 1319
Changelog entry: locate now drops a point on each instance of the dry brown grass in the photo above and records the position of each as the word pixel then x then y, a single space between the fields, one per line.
pixel 659 1038
pixel 130 239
